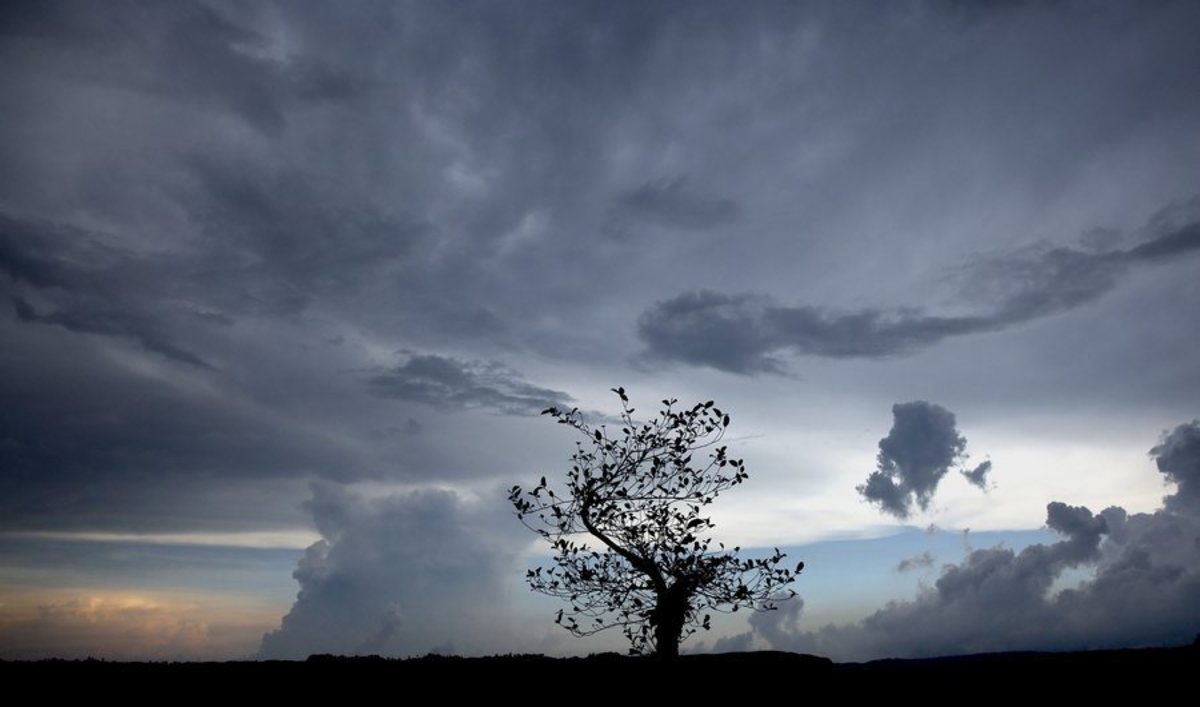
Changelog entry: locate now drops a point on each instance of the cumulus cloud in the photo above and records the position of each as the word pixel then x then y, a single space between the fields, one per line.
pixel 450 383
pixel 750 333
pixel 1144 589
pixel 1178 458
pixel 916 454
pixel 400 574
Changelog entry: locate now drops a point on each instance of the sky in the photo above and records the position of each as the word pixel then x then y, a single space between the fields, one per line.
pixel 285 285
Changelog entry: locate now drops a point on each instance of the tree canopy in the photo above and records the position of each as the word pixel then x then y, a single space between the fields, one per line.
pixel 629 534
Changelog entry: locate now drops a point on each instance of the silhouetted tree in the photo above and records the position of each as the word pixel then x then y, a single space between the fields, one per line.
pixel 638 498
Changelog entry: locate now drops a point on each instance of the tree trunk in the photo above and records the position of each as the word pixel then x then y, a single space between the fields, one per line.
pixel 669 614
pixel 666 642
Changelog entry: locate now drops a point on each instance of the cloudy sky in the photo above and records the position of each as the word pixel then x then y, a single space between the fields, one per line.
pixel 283 287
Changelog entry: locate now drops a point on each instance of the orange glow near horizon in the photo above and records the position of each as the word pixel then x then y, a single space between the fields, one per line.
pixel 131 624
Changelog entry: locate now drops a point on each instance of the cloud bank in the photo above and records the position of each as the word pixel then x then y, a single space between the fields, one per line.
pixel 1144 589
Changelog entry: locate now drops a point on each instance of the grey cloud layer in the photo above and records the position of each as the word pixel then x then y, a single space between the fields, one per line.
pixel 748 333
pixel 1145 590
pixel 209 58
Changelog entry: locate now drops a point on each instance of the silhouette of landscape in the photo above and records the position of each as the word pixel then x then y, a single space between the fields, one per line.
pixel 1148 671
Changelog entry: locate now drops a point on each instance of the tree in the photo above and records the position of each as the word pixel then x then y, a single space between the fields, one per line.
pixel 630 541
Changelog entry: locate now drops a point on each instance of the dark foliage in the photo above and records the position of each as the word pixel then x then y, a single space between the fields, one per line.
pixel 629 534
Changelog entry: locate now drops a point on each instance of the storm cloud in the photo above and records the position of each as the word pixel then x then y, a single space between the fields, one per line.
pixel 752 333
pixel 916 454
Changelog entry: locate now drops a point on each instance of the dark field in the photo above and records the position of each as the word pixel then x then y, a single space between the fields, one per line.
pixel 1136 674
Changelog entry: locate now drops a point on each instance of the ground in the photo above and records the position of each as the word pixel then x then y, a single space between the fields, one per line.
pixel 776 676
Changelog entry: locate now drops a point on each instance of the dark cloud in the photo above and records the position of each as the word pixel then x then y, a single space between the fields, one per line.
pixel 449 383
pixel 86 286
pixel 400 574
pixel 669 202
pixel 1178 458
pixel 110 322
pixel 924 560
pixel 1144 589
pixel 748 333
pixel 92 441
pixel 709 328
pixel 979 475
pixel 916 454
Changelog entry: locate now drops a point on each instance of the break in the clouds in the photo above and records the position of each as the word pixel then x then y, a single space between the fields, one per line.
pixel 752 333
pixel 919 450
pixel 1144 589
pixel 449 383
